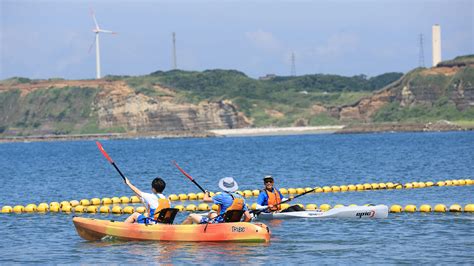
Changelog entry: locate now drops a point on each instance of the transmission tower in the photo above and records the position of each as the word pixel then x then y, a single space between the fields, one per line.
pixel 175 65
pixel 293 67
pixel 421 56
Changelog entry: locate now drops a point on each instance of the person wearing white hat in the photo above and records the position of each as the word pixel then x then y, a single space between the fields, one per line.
pixel 228 200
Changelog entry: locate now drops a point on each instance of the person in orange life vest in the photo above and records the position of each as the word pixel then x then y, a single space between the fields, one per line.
pixel 154 202
pixel 227 200
pixel 270 197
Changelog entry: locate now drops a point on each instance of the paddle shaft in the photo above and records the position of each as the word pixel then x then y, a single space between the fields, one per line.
pixel 189 176
pixel 110 160
pixel 257 212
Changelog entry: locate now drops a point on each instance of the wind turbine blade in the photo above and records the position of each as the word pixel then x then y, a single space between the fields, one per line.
pixel 95 20
pixel 92 45
pixel 108 31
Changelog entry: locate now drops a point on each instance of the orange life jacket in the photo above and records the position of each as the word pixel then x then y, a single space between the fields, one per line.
pixel 162 204
pixel 237 204
pixel 274 199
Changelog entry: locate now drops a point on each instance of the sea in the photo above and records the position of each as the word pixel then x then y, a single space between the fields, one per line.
pixel 73 170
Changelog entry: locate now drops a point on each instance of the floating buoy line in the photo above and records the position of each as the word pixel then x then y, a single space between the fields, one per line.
pixel 97 205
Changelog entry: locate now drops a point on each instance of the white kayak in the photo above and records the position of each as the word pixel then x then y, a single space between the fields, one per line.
pixel 358 212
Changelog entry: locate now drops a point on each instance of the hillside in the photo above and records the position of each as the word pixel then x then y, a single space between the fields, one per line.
pixel 222 99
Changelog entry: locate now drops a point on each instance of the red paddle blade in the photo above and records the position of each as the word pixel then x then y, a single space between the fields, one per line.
pixel 104 152
pixel 182 171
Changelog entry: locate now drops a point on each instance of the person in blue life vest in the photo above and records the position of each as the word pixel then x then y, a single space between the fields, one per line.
pixel 154 202
pixel 227 200
pixel 270 198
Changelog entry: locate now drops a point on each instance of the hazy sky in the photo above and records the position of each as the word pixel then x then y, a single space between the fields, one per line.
pixel 48 39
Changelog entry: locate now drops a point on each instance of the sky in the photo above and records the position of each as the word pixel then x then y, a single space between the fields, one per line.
pixel 51 39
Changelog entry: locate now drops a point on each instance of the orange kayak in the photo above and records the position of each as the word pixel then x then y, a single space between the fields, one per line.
pixel 93 229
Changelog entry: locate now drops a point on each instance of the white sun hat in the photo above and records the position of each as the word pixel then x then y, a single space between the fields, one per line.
pixel 228 184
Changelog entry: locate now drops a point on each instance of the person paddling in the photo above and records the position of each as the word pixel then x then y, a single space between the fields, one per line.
pixel 227 200
pixel 270 198
pixel 154 202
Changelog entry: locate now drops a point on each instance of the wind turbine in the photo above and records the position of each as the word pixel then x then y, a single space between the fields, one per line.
pixel 98 30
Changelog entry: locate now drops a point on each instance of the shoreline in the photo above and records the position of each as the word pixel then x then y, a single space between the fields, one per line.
pixel 249 132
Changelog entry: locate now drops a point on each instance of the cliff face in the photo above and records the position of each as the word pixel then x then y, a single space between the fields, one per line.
pixel 454 84
pixel 47 107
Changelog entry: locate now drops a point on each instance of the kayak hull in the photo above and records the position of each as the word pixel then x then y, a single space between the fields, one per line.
pixel 357 212
pixel 93 229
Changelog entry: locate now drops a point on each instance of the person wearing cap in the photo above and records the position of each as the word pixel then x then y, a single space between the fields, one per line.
pixel 270 200
pixel 227 200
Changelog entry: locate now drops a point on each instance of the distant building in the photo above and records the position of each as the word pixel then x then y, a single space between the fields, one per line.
pixel 267 77
pixel 436 35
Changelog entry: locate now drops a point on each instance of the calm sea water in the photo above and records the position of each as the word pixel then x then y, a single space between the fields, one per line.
pixel 56 171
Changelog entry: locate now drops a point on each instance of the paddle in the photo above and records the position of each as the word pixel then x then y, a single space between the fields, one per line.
pixel 110 160
pixel 257 212
pixel 188 176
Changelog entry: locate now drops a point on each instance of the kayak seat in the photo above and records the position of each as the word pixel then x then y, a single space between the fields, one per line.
pixel 167 215
pixel 233 216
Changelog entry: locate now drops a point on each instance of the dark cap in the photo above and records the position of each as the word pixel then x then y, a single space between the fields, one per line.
pixel 268 177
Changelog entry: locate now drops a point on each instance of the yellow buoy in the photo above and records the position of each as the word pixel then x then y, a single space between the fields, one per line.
pixel 462 182
pixel 311 207
pixel 306 189
pixel 425 208
pixel 469 181
pixel 367 186
pixel 399 186
pixel 200 195
pixel 390 185
pixel 440 208
pixel 95 201
pixel 449 183
pixel 142 209
pixel 66 208
pixel 106 201
pixel 335 188
pixel 352 187
pixel 85 202
pixel 421 184
pixel 395 208
pixel 116 200
pixel 30 208
pixel 300 191
pixel 248 193
pixel 410 208
pixel 128 210
pixel 284 206
pixel 183 197
pixel 203 207
pixel 80 209
pixel 325 207
pixel 54 203
pixel 382 186
pixel 440 183
pixel 54 208
pixel 255 192
pixel 215 207
pixel 135 199
pixel 291 191
pixel 375 186
pixel 124 200
pixel 455 208
pixel 408 185
pixel 415 184
pixel 191 208
pixel 42 207
pixel 283 191
pixel 18 209
pixel 92 209
pixel 7 209
pixel 192 196
pixel 318 190
pixel 116 209
pixel 254 206
pixel 469 208
pixel 104 209
pixel 326 189
pixel 360 187
pixel 173 197
pixel 353 205
pixel 63 203
pixel 338 206
pixel 74 203
pixel 429 184
pixel 344 188
pixel 455 182
pixel 179 207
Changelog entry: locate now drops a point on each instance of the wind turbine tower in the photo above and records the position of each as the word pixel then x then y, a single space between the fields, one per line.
pixel 97 30
pixel 175 64
pixel 436 35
